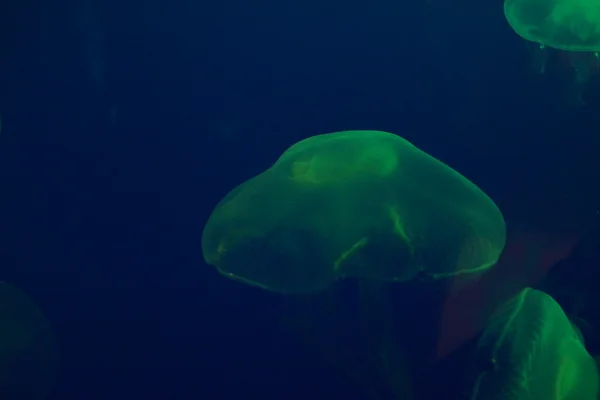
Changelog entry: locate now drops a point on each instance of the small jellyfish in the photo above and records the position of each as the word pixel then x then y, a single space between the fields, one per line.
pixel 531 351
pixel 361 204
pixel 566 29
pixel 572 25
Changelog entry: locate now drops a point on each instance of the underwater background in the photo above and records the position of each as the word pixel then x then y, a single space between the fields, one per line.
pixel 124 123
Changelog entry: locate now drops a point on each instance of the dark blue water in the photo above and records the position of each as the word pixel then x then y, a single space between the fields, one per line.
pixel 123 129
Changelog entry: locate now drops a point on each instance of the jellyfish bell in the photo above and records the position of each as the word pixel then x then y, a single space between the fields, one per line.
pixel 357 204
pixel 572 25
pixel 567 31
pixel 529 350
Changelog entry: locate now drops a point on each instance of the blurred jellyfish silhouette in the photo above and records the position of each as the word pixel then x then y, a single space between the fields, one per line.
pixel 92 30
pixel 29 360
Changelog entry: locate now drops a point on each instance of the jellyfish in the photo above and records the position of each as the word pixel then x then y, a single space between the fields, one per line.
pixel 572 25
pixel 28 349
pixel 569 30
pixel 353 204
pixel 530 350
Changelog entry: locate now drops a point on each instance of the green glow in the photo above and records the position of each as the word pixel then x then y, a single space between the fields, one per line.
pixel 572 25
pixel 534 353
pixel 362 204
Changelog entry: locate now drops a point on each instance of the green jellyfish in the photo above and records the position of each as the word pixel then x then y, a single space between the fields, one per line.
pixel 361 204
pixel 28 350
pixel 572 25
pixel 531 351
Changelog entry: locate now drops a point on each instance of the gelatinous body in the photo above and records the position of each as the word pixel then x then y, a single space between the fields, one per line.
pixel 531 351
pixel 364 204
pixel 572 25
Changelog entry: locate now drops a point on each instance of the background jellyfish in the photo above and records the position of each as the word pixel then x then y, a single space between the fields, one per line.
pixel 567 31
pixel 28 349
pixel 572 25
pixel 530 350
pixel 363 204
